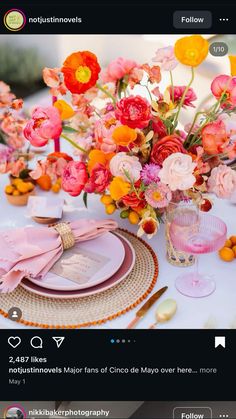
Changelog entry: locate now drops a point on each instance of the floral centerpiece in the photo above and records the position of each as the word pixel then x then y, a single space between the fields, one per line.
pixel 129 145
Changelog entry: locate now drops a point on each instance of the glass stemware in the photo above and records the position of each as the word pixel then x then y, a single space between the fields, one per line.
pixel 196 234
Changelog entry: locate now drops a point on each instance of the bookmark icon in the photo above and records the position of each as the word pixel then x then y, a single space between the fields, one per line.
pixel 59 340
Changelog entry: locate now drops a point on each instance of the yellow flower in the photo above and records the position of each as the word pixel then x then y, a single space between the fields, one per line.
pixel 191 50
pixel 119 188
pixel 232 60
pixel 65 110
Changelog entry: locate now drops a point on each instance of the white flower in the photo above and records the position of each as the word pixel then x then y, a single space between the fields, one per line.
pixel 177 172
pixel 125 166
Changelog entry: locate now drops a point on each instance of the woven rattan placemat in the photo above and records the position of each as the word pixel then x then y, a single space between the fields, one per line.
pixel 46 312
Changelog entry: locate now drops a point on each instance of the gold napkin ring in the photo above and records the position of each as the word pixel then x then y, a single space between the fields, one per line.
pixel 66 234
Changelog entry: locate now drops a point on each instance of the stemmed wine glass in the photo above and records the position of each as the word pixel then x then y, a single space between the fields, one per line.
pixel 196 233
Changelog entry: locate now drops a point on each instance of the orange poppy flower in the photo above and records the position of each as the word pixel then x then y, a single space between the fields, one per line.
pixel 80 71
pixel 98 156
pixel 123 135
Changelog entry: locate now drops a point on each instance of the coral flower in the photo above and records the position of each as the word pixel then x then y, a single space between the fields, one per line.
pixel 123 135
pixel 65 110
pixel 214 137
pixel 191 50
pixel 134 111
pixel 224 86
pixel 81 70
pixel 119 188
pixel 74 178
pixel 99 179
pixel 44 125
pixel 165 147
pixel 154 73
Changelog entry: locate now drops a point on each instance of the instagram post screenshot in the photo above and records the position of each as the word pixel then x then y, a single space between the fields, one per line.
pixel 117 209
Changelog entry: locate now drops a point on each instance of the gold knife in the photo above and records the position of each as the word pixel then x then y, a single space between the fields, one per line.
pixel 143 310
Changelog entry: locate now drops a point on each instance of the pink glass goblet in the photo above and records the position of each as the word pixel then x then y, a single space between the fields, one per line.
pixel 196 234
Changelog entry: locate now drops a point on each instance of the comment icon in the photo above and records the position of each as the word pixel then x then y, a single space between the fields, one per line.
pixel 36 342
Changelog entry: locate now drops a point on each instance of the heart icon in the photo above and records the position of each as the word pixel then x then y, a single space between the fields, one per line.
pixel 14 341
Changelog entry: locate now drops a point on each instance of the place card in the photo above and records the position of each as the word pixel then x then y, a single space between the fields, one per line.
pixel 48 207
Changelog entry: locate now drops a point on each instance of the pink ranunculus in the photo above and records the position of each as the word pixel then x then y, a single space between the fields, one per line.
pixel 44 125
pixel 74 178
pixel 178 93
pixel 214 137
pixel 117 69
pixel 103 130
pixel 225 85
pixel 166 58
pixel 222 181
pixel 134 111
pixel 99 179
pixel 177 172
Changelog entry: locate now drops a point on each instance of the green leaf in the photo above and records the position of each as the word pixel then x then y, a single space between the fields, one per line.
pixel 69 129
pixel 85 199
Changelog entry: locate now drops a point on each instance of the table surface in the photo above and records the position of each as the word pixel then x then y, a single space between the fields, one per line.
pixel 215 311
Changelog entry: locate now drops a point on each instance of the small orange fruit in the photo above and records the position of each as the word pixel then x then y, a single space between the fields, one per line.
pixel 133 217
pixel 226 254
pixel 233 240
pixel 56 187
pixel 22 187
pixel 106 199
pixel 228 243
pixel 110 209
pixel 9 189
pixel 44 182
pixel 16 193
pixel 234 250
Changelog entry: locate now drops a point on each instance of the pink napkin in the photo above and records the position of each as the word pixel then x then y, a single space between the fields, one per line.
pixel 32 251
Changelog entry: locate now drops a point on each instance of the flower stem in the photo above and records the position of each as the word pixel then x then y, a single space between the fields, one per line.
pixel 172 87
pixel 183 96
pixel 73 143
pixel 106 93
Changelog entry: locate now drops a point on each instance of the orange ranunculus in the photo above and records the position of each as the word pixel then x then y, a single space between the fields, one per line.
pixel 80 71
pixel 98 156
pixel 191 50
pixel 119 188
pixel 123 135
pixel 232 60
pixel 58 155
pixel 65 110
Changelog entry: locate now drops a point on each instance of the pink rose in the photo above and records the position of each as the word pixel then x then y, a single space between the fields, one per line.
pixel 225 85
pixel 44 125
pixel 74 178
pixel 133 111
pixel 166 58
pixel 117 69
pixel 177 172
pixel 125 166
pixel 99 179
pixel 222 181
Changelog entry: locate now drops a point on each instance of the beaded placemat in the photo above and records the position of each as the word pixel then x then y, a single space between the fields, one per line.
pixel 96 309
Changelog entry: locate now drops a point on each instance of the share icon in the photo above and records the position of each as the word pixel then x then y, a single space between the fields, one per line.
pixel 59 340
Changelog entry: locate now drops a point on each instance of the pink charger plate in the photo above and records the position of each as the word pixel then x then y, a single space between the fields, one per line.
pixel 123 271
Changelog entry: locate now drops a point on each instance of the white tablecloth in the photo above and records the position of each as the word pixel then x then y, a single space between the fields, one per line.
pixel 217 310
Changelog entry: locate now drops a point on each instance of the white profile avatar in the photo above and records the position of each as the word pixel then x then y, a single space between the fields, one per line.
pixel 14 315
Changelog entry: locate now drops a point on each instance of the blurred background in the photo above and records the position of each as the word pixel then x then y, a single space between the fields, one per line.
pixel 22 58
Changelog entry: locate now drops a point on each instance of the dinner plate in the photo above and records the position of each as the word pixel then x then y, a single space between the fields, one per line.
pixel 115 279
pixel 85 265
